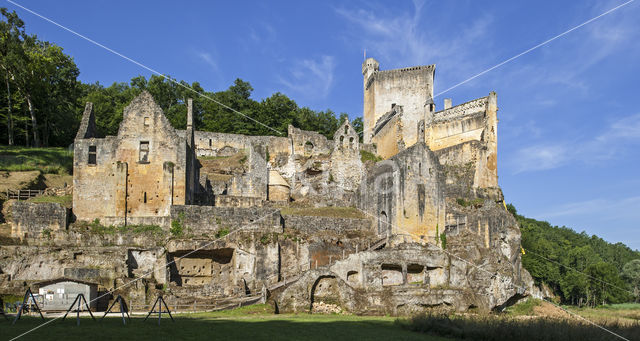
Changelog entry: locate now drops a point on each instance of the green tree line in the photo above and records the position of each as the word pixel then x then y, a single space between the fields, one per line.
pixel 43 100
pixel 578 268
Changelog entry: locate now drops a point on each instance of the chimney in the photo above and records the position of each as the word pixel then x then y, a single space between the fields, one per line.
pixel 190 113
pixel 447 103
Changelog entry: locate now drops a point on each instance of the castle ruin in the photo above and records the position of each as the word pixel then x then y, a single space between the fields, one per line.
pixel 239 217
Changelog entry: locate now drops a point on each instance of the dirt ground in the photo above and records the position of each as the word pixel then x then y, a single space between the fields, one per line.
pixel 548 309
pixel 32 180
pixel 20 180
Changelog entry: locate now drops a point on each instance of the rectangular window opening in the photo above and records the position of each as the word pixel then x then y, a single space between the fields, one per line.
pixel 92 155
pixel 144 151
pixel 146 121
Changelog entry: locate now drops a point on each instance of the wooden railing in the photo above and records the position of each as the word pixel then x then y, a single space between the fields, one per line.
pixel 24 194
pixel 200 307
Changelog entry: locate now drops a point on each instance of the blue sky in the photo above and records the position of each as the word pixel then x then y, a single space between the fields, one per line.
pixel 569 128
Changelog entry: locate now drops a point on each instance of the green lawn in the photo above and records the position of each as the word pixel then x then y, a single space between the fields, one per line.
pixel 64 200
pixel 47 160
pixel 218 326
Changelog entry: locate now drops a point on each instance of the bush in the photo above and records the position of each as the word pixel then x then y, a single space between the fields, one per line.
pixel 176 228
pixel 223 232
pixel 369 156
pixel 477 202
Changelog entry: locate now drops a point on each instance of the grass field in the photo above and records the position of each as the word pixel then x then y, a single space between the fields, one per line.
pixel 627 313
pixel 258 322
pixel 46 160
pixel 219 326
pixel 64 200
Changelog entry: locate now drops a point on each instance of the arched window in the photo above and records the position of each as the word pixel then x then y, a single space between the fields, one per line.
pixel 351 142
pixel 346 129
pixel 383 222
pixel 341 140
pixel 308 147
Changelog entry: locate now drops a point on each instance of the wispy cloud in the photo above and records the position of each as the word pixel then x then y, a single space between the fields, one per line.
pixel 208 59
pixel 606 209
pixel 311 78
pixel 619 137
pixel 401 40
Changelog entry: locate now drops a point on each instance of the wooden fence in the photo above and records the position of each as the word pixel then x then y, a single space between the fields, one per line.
pixel 24 194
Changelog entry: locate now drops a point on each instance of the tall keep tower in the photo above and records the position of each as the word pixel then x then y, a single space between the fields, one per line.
pixel 410 88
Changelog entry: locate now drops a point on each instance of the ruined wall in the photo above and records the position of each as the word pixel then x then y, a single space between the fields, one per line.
pixel 407 195
pixel 389 138
pixel 458 124
pixel 237 201
pixel 346 168
pixel 99 187
pixel 135 176
pixel 465 140
pixel 409 87
pixel 308 143
pixel 31 220
pixel 159 180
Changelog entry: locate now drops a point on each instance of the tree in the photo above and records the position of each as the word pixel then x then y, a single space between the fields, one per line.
pixel 11 57
pixel 605 285
pixel 631 272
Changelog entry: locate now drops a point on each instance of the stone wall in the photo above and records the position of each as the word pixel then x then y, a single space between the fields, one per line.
pixel 211 219
pixel 31 220
pixel 311 224
pixel 237 201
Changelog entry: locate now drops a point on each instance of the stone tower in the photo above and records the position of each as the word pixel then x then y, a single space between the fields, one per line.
pixel 410 88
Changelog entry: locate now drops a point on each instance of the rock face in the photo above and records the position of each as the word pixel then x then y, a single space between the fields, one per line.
pixel 406 277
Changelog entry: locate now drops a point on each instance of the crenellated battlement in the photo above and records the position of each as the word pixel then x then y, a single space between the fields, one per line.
pixel 462 110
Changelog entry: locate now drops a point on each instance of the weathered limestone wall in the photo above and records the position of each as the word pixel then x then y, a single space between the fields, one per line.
pixel 346 168
pixel 389 139
pixel 99 188
pixel 407 195
pixel 222 144
pixel 30 220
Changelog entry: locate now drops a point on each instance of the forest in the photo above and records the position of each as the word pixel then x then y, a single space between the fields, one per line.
pixel 43 100
pixel 578 268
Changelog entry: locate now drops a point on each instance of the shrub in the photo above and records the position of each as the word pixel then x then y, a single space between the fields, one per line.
pixel 223 232
pixel 176 228
pixel 443 240
pixel 369 156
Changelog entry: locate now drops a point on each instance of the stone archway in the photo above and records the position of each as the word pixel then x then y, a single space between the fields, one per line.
pixel 325 292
